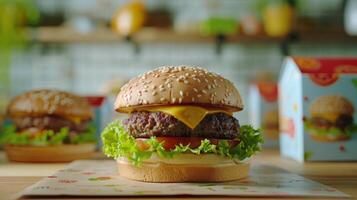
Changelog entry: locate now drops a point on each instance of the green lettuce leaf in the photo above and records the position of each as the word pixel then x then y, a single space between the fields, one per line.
pixel 47 137
pixel 330 131
pixel 117 142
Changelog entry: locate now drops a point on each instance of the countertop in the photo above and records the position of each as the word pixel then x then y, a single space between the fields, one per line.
pixel 342 175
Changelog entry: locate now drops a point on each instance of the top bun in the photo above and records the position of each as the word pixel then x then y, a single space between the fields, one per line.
pixel 50 102
pixel 331 104
pixel 179 85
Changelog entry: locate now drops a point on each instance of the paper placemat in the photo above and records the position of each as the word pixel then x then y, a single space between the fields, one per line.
pixel 99 178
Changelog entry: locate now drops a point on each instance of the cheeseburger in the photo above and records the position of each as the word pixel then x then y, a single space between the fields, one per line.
pixel 49 126
pixel 271 124
pixel 180 128
pixel 331 119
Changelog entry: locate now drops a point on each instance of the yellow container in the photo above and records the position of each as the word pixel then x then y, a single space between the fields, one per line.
pixel 277 19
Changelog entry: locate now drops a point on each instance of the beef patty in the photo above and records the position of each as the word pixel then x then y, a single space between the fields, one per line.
pixel 147 124
pixel 48 122
pixel 342 122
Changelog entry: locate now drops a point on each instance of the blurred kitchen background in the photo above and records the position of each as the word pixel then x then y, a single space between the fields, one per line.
pixel 91 47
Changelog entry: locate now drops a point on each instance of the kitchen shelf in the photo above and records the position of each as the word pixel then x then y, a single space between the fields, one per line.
pixel 64 35
pixel 69 35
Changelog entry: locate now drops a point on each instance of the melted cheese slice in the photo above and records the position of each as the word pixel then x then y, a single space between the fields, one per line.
pixel 76 120
pixel 189 115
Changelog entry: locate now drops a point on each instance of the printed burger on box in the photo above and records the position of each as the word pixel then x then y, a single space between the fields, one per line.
pixel 263 111
pixel 317 105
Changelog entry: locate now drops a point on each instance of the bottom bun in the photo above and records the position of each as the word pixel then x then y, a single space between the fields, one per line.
pixel 163 171
pixel 326 137
pixel 58 153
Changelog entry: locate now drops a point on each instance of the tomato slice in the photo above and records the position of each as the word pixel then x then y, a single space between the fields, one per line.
pixel 169 143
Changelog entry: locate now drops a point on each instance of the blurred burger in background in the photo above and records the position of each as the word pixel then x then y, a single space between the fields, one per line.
pixel 49 126
pixel 180 128
pixel 270 127
pixel 1 123
pixel 1 119
pixel 331 119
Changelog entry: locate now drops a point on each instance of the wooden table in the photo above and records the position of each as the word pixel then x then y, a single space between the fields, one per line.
pixel 16 176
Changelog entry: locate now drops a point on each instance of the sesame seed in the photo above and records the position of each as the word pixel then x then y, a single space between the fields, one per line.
pixel 169 85
pixel 204 91
pixel 186 81
pixel 194 89
pixel 199 95
pixel 162 89
pixel 162 99
pixel 180 100
pixel 145 101
pixel 154 87
pixel 181 93
pixel 154 93
pixel 173 100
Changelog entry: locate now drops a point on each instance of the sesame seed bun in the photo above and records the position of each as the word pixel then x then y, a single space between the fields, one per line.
pixel 50 102
pixel 331 104
pixel 166 172
pixel 48 154
pixel 178 86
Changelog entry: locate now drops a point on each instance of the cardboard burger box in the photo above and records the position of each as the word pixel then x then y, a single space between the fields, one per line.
pixel 318 100
pixel 263 111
